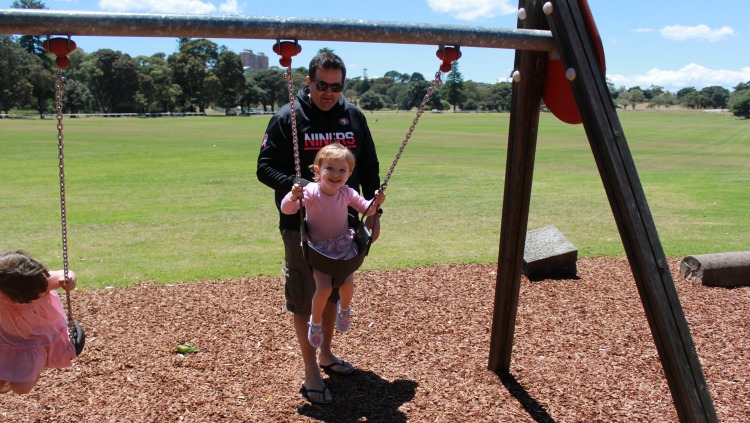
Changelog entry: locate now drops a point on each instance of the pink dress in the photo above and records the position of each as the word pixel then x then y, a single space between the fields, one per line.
pixel 33 336
pixel 327 219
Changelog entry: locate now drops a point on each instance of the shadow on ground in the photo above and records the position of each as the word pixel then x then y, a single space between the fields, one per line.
pixel 532 406
pixel 363 396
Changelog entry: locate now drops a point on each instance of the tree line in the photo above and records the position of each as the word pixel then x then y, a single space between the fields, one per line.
pixel 202 75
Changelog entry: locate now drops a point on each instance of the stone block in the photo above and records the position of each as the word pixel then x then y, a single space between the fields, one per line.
pixel 549 255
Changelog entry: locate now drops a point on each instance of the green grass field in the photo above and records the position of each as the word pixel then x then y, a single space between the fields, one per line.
pixel 176 199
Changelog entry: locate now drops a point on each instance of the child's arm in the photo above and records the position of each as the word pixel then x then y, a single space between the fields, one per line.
pixel 290 203
pixel 378 201
pixel 56 279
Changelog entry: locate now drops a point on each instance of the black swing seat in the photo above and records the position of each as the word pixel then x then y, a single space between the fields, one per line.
pixel 78 338
pixel 338 269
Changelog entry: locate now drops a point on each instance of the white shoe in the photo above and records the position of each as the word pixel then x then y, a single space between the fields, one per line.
pixel 315 333
pixel 343 317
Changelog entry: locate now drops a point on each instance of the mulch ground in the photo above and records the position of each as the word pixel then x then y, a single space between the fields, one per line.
pixel 420 338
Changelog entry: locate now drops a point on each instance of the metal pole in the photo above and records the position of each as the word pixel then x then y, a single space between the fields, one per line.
pixel 79 23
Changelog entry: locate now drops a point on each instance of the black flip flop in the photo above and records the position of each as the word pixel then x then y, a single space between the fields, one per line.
pixel 348 368
pixel 323 393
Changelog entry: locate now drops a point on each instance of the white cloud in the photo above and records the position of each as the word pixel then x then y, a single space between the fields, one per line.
pixel 698 32
pixel 471 10
pixel 229 7
pixel 643 30
pixel 188 7
pixel 692 75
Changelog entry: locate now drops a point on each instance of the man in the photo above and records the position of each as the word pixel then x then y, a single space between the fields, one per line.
pixel 323 116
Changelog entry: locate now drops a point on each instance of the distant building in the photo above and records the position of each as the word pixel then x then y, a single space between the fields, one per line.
pixel 251 62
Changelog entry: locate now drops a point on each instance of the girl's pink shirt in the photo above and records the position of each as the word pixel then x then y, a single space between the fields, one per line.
pixel 327 215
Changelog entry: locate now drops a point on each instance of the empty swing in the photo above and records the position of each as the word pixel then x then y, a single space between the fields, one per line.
pixel 339 269
pixel 61 47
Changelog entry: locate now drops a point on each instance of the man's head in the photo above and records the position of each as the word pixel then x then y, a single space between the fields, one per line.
pixel 326 78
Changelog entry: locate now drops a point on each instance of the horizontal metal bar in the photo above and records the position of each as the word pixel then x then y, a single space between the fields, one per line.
pixel 47 22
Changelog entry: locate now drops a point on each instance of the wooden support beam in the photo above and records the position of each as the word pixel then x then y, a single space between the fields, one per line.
pixel 634 221
pixel 519 171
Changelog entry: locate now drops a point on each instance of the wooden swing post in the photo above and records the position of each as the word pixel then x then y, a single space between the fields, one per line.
pixel 575 44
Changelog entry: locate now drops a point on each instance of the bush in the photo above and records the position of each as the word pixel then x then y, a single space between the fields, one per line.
pixel 741 105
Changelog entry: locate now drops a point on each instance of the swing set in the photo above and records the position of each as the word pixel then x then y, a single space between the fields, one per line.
pixel 558 58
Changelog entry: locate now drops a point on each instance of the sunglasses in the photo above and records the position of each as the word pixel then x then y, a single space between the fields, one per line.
pixel 322 86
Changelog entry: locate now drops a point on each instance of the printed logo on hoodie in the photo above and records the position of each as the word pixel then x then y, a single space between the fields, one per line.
pixel 318 140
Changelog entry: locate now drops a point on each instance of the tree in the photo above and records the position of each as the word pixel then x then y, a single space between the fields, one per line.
pixel 156 91
pixel 740 100
pixel 397 76
pixel 251 94
pixel 30 43
pixel 42 82
pixel 413 95
pixel 718 97
pixel 613 92
pixel 15 88
pixel 696 100
pixel 653 91
pixel 437 101
pixel 635 96
pixel 112 78
pixel 471 94
pixel 76 97
pixel 231 79
pixel 682 93
pixel 191 68
pixel 741 105
pixel 665 99
pixel 360 84
pixel 496 97
pixel 371 101
pixel 273 85
pixel 395 93
pixel 453 90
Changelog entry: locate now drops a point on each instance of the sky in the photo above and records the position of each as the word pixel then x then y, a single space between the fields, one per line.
pixel 669 44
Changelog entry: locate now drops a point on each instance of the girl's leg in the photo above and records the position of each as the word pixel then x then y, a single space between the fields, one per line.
pixel 346 292
pixel 323 289
pixel 4 386
pixel 22 388
pixel 343 308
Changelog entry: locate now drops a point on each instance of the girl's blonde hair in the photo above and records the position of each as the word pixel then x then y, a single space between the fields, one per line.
pixel 333 151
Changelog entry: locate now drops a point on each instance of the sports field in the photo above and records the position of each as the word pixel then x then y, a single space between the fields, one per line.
pixel 176 199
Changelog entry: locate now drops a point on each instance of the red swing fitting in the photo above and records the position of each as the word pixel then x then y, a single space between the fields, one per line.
pixel 448 55
pixel 60 47
pixel 286 49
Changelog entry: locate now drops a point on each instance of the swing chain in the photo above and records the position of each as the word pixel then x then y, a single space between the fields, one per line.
pixel 436 82
pixel 297 166
pixel 60 82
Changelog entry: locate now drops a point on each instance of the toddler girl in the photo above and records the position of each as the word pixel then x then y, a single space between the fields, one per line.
pixel 326 204
pixel 33 325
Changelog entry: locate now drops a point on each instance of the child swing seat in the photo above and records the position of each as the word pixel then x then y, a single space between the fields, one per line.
pixel 78 337
pixel 339 269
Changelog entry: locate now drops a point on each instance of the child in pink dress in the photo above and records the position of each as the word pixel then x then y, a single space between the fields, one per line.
pixel 326 204
pixel 33 325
